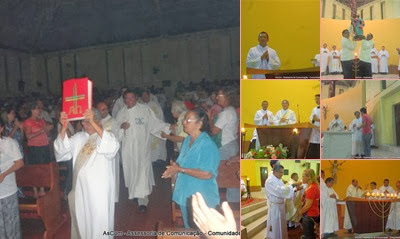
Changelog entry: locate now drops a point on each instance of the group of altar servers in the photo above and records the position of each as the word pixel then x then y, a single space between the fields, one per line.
pixel 329 199
pixel 330 60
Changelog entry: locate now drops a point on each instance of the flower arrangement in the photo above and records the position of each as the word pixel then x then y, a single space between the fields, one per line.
pixel 268 152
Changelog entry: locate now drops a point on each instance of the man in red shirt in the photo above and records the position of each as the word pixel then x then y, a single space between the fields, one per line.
pixel 366 132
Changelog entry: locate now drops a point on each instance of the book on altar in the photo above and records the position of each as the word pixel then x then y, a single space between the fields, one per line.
pixel 77 97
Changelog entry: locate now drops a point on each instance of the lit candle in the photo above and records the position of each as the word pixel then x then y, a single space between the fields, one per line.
pixel 243 130
pixel 373 195
pixel 244 77
pixel 382 195
pixel 368 194
pixel 295 131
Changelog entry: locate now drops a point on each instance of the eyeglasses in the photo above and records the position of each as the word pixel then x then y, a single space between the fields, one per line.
pixel 189 120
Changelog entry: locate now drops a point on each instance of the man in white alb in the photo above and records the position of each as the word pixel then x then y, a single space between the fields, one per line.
pixel 262 117
pixel 330 221
pixel 373 188
pixel 277 192
pixel 285 116
pixel 314 144
pixel 386 188
pixel 91 200
pixel 383 61
pixel 133 126
pixel 356 138
pixel 365 57
pixel 374 60
pixel 393 221
pixel 334 62
pixel 262 56
pixel 325 53
pixel 119 103
pixel 336 124
pixel 353 190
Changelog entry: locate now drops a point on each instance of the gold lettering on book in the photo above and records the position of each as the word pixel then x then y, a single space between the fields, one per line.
pixel 75 108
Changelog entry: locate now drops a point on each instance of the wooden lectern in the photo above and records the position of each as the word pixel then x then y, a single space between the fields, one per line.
pixel 365 219
pixel 313 72
pixel 274 135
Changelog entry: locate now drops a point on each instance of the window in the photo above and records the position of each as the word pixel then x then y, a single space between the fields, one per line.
pixel 323 8
pixel 343 14
pixel 382 10
pixel 383 84
pixel 371 12
pixel 334 12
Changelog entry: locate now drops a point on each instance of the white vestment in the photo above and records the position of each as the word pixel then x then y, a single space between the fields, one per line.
pixel 276 217
pixel 383 189
pixel 356 137
pixel 259 120
pixel 325 53
pixel 330 221
pixel 288 114
pixel 374 61
pixel 393 221
pixel 383 64
pixel 136 142
pixel 372 135
pixel 158 146
pixel 336 125
pixel 334 64
pixel 106 123
pixel 94 188
pixel 254 60
pixel 317 60
pixel 118 105
pixel 351 192
pixel 315 134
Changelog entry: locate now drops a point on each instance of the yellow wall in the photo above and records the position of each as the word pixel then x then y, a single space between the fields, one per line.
pixel 365 171
pixel 274 91
pixel 251 169
pixel 344 104
pixel 292 26
pixel 385 33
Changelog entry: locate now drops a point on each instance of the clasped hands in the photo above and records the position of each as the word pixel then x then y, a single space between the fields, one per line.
pixel 172 169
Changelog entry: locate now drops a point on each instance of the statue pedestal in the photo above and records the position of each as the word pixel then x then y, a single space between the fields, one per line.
pixel 336 145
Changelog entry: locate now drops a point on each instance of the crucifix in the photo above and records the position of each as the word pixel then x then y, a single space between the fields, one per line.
pixel 75 109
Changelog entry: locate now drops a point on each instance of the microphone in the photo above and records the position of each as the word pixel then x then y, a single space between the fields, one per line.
pixel 298 113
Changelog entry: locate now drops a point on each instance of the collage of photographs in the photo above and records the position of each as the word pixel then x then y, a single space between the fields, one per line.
pixel 320 118
pixel 218 119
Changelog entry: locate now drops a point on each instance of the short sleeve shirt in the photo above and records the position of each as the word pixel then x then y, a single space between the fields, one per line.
pixel 367 121
pixel 312 193
pixel 36 125
pixel 9 152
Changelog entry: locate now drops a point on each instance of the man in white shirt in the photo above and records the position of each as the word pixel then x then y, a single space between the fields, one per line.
pixel 277 192
pixel 334 63
pixel 330 221
pixel 336 124
pixel 262 56
pixel 263 117
pixel 374 60
pixel 347 55
pixel 383 61
pixel 314 144
pixel 285 116
pixel 365 57
pixel 356 138
pixel 325 53
pixel 373 188
pixel 386 188
pixel 353 190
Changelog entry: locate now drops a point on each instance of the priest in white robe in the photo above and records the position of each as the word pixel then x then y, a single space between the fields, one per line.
pixel 158 146
pixel 133 126
pixel 263 117
pixel 262 56
pixel 317 60
pixel 373 188
pixel 356 137
pixel 91 200
pixel 276 194
pixel 330 220
pixel 285 116
pixel 336 124
pixel 325 54
pixel 334 61
pixel 106 123
pixel 386 188
pixel 374 61
pixel 353 190
pixel 393 221
pixel 119 103
pixel 383 61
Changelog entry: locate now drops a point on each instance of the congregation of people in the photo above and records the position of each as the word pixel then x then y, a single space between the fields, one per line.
pixel 329 200
pixel 292 204
pixel 126 129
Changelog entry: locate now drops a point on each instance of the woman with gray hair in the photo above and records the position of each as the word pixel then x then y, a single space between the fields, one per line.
pixel 178 110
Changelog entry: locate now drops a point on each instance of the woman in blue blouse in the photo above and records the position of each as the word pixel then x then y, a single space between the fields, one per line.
pixel 196 166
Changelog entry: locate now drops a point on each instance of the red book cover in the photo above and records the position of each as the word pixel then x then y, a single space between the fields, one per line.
pixel 77 97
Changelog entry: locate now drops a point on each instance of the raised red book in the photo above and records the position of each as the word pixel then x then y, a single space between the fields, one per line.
pixel 77 97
